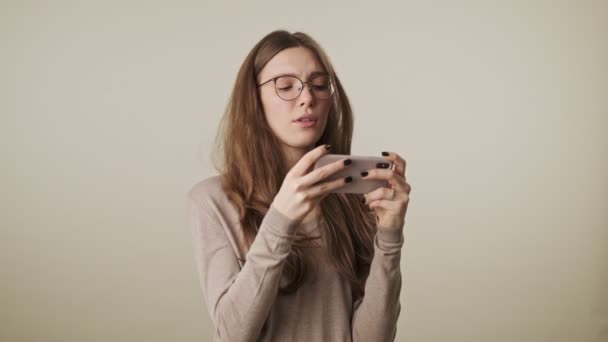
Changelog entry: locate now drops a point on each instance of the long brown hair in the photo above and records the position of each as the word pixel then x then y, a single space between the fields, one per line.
pixel 245 139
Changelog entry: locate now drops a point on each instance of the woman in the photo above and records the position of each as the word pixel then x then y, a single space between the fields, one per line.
pixel 280 257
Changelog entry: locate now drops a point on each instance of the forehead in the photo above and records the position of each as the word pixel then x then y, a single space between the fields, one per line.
pixel 299 61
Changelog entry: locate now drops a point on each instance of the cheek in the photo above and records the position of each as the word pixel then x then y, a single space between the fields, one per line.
pixel 324 110
pixel 277 111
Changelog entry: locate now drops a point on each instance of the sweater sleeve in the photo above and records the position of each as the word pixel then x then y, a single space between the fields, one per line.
pixel 375 315
pixel 239 300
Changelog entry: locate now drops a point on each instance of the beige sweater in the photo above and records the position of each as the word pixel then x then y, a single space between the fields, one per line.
pixel 242 297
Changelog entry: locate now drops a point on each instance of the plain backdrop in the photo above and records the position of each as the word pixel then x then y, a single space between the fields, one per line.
pixel 109 110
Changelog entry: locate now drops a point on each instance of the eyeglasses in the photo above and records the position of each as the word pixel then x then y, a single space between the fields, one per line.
pixel 289 87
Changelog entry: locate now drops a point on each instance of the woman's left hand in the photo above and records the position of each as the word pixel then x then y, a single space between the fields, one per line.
pixel 389 203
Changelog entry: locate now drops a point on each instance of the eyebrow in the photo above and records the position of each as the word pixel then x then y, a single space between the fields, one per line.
pixel 312 74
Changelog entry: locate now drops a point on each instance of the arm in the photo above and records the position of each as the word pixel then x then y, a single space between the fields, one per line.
pixel 239 300
pixel 375 315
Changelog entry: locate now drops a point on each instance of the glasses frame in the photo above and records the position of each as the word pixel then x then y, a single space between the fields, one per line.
pixel 307 83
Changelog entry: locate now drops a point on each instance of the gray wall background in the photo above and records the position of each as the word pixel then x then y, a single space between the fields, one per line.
pixel 108 111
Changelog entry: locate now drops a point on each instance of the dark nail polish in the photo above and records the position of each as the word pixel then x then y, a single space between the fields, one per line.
pixel 363 200
pixel 348 179
pixel 347 162
pixel 385 154
pixel 327 147
pixel 382 165
pixel 364 174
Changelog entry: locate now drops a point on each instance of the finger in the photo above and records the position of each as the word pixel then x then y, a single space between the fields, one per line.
pixel 407 188
pixel 307 161
pixel 325 171
pixel 385 204
pixel 394 180
pixel 397 161
pixel 378 194
pixel 324 188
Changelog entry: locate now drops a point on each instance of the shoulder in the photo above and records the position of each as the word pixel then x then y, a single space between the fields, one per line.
pixel 214 214
pixel 206 190
pixel 209 197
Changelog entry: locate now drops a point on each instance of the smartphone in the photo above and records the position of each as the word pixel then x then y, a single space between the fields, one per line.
pixel 359 164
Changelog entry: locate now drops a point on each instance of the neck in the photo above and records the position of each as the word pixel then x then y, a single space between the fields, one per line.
pixel 292 155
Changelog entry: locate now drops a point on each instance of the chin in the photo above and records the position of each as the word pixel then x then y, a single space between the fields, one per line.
pixel 303 139
pixel 304 143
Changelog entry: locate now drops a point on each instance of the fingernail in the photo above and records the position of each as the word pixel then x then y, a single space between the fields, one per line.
pixel 382 165
pixel 385 154
pixel 347 162
pixel 348 179
pixel 364 174
pixel 327 147
pixel 363 200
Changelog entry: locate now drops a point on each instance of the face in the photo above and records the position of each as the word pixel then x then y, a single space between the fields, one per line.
pixel 297 136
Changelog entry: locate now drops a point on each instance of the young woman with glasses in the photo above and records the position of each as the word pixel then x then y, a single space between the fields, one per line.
pixel 280 256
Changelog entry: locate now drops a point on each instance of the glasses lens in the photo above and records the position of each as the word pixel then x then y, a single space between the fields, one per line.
pixel 288 87
pixel 321 87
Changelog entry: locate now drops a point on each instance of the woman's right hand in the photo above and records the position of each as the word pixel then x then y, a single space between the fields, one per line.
pixel 302 191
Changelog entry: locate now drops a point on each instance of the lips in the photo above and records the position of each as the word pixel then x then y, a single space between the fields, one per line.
pixel 306 118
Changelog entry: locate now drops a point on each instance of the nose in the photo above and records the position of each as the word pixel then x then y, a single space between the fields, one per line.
pixel 306 95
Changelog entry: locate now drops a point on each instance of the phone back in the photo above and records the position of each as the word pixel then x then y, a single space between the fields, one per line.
pixel 359 164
